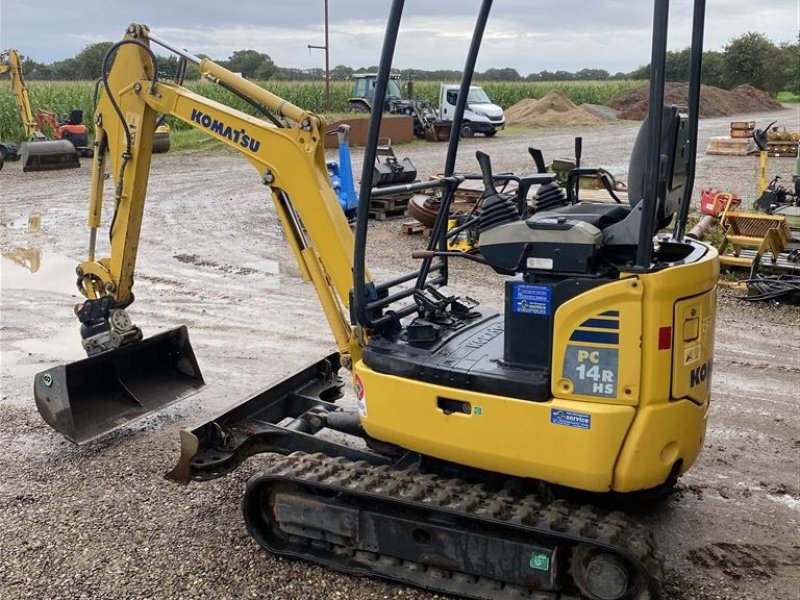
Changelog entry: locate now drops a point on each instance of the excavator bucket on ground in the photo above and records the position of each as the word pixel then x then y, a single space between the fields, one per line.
pixel 161 139
pixel 88 398
pixel 49 155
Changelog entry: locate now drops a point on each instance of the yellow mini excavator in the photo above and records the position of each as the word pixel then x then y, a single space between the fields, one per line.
pixel 38 153
pixel 595 377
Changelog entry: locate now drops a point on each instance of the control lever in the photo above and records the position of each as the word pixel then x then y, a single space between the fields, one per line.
pixel 486 172
pixel 760 136
pixel 538 159
pixel 578 151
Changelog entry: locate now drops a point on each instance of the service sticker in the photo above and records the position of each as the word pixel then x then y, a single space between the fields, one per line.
pixel 691 354
pixel 361 396
pixel 540 561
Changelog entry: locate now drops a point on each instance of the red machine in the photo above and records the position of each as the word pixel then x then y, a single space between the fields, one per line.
pixel 72 130
pixel 713 201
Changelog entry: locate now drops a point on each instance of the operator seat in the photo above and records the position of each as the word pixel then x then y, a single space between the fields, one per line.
pixel 75 117
pixel 603 214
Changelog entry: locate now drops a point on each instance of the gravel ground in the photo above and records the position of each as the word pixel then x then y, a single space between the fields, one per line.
pixel 100 521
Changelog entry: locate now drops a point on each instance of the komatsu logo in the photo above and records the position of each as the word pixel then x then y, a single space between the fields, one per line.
pixel 700 374
pixel 238 136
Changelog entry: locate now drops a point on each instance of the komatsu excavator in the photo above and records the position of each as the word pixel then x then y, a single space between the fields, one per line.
pixel 38 153
pixel 596 377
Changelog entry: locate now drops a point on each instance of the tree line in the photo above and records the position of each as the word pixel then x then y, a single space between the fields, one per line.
pixel 751 58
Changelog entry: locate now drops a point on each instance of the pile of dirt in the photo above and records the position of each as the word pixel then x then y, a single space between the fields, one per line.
pixel 714 101
pixel 606 113
pixel 553 109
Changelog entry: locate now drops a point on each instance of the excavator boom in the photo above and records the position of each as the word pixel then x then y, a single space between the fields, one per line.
pixel 289 160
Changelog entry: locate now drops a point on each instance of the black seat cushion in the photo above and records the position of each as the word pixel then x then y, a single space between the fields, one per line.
pixel 599 214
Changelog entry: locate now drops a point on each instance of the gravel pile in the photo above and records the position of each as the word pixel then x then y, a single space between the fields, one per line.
pixel 714 101
pixel 554 109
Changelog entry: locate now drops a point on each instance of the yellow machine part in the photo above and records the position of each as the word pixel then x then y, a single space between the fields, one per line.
pixel 161 139
pixel 466 241
pixel 626 407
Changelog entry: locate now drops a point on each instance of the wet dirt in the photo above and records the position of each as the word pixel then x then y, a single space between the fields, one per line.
pixel 99 521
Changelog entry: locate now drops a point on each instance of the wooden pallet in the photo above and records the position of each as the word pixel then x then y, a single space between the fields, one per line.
pixel 782 148
pixel 727 146
pixel 412 227
pixel 741 133
pixel 385 215
pixel 379 204
pixel 742 129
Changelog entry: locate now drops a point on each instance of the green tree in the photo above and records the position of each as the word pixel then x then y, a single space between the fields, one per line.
pixel 251 63
pixel 65 69
pixel 88 63
pixel 591 75
pixel 341 73
pixel 753 59
pixel 713 71
pixel 506 74
pixel 793 66
pixel 677 66
pixel 36 70
pixel 563 76
pixel 192 70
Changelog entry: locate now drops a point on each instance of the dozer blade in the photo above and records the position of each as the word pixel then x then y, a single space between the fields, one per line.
pixel 49 156
pixel 89 398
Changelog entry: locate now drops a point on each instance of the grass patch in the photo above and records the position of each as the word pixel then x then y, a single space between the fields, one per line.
pixel 192 139
pixel 788 97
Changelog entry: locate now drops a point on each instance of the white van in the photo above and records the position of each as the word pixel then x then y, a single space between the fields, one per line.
pixel 480 115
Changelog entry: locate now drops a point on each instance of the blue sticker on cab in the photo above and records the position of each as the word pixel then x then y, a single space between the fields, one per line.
pixel 570 418
pixel 531 299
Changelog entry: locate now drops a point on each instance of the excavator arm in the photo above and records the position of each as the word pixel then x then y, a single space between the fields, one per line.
pixel 289 160
pixel 11 63
pixel 126 376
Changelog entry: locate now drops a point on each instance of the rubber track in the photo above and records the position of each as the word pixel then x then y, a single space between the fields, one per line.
pixel 566 522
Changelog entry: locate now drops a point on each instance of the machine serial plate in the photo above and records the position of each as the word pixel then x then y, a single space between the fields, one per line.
pixel 592 370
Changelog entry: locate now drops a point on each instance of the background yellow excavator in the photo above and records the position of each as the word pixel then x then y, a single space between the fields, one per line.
pixel 38 153
pixel 596 377
pixel 71 137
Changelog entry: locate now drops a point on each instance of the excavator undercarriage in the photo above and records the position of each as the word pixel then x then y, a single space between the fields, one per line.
pixel 381 511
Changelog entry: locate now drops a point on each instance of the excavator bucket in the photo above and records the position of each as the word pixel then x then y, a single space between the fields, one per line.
pixel 161 139
pixel 94 396
pixel 389 170
pixel 49 155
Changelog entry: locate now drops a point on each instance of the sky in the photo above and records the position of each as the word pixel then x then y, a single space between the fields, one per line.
pixel 528 35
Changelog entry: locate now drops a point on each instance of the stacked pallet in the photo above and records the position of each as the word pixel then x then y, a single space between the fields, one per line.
pixel 728 146
pixel 781 142
pixel 739 143
pixel 743 129
pixel 383 209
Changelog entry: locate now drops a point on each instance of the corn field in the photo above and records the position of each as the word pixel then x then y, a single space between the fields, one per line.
pixel 61 97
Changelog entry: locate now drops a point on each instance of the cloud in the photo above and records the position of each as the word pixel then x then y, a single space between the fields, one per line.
pixel 528 36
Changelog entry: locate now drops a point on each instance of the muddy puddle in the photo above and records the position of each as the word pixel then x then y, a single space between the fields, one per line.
pixel 28 268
